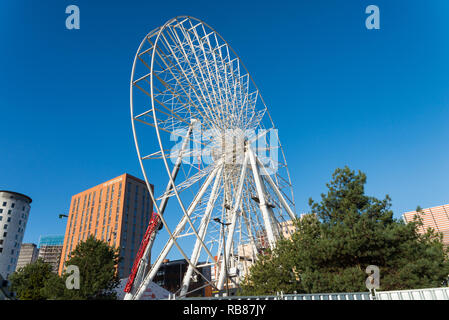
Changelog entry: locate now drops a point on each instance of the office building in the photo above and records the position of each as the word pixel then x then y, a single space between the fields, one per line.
pixel 116 211
pixel 14 213
pixel 50 250
pixel 28 254
pixel 436 218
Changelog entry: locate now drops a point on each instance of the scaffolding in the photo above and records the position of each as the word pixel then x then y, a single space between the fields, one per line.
pixel 50 249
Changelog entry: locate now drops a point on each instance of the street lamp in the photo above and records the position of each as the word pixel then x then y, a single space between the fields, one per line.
pixel 62 216
pixel 223 224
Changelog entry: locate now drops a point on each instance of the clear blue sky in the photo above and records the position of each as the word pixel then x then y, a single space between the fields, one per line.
pixel 375 100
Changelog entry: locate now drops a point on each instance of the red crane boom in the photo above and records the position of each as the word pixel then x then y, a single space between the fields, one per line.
pixel 152 226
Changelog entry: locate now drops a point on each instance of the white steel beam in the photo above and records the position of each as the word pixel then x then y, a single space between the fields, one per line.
pixel 277 191
pixel 202 232
pixel 144 261
pixel 250 234
pixel 149 277
pixel 234 214
pixel 264 208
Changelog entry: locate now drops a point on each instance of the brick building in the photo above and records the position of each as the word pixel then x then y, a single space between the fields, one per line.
pixel 116 211
pixel 434 217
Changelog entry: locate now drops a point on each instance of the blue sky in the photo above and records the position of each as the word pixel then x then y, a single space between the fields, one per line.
pixel 375 100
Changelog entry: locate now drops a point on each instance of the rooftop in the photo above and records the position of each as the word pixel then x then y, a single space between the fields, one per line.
pixel 51 240
pixel 17 194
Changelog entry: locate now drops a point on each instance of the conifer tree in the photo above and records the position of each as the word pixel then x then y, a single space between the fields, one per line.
pixel 346 232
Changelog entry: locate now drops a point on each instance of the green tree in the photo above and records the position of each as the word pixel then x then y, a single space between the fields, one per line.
pixel 97 270
pixel 55 289
pixel 345 232
pixel 29 282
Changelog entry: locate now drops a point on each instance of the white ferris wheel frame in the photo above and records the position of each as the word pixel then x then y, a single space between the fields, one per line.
pixel 251 163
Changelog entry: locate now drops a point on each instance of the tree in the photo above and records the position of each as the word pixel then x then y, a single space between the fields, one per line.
pixel 97 270
pixel 96 262
pixel 54 289
pixel 345 232
pixel 29 282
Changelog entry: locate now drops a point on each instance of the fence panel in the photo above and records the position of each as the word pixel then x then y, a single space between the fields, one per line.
pixel 416 294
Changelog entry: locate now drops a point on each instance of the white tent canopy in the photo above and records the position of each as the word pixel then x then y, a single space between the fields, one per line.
pixel 152 292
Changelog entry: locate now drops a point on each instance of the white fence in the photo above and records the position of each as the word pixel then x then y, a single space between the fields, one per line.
pixel 317 296
pixel 416 294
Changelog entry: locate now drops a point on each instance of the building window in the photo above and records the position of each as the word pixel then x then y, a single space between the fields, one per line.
pixel 5 226
pixel 9 211
pixel 12 205
pixel 4 204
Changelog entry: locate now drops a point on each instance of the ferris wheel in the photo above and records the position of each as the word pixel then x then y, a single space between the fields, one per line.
pixel 200 123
